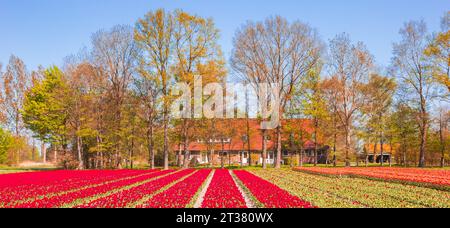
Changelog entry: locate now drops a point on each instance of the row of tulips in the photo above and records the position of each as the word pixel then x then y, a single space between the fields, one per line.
pixel 73 196
pixel 223 192
pixel 412 175
pixel 10 196
pixel 181 194
pixel 329 192
pixel 14 180
pixel 132 195
pixel 270 195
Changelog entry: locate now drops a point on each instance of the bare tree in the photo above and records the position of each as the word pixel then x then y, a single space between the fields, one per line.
pixel 413 70
pixel 148 91
pixel 278 53
pixel 15 82
pixel 114 54
pixel 349 67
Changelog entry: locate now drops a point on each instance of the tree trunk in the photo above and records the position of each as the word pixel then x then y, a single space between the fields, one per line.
pixel 334 149
pixel 80 156
pixel 347 147
pixel 222 162
pixel 441 139
pixel 33 151
pixel 278 160
pixel 166 138
pixel 44 152
pixel 423 130
pixel 151 152
pixel 186 151
pixel 382 150
pixel 249 146
pixel 405 163
pixel 131 155
pixel 315 156
pixel 99 141
pixel 291 151
pixel 211 159
pixel 55 156
pixel 423 141
pixel 316 125
pixel 241 157
pixel 301 157
pixel 248 129
pixel 187 159
pixel 264 150
pixel 180 153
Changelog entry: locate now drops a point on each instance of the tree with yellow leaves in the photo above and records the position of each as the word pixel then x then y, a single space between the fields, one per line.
pixel 438 51
pixel 176 47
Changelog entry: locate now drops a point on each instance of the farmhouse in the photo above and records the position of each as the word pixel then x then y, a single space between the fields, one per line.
pixel 373 153
pixel 246 145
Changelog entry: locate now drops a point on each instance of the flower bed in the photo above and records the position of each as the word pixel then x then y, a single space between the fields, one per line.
pixel 269 194
pixel 223 192
pixel 67 198
pixel 325 191
pixel 406 175
pixel 179 195
pixel 124 198
pixel 10 196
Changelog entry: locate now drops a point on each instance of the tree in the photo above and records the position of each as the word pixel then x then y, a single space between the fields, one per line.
pixel 181 45
pixel 83 83
pixel 114 53
pixel 438 51
pixel 147 89
pixel 132 130
pixel 413 70
pixel 278 53
pixel 379 92
pixel 153 35
pixel 402 124
pixel 196 54
pixel 15 81
pixel 314 104
pixel 332 125
pixel 45 108
pixel 349 65
pixel 6 140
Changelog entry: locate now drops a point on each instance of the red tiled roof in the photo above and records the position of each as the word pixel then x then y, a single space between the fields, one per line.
pixel 256 140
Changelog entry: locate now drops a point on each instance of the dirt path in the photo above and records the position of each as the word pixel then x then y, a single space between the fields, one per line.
pixel 248 202
pixel 202 194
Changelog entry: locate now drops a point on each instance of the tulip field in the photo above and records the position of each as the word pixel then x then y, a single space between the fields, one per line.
pixel 222 188
pixel 205 188
pixel 438 178
pixel 348 192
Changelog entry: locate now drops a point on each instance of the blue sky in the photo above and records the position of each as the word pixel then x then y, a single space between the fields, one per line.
pixel 43 32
